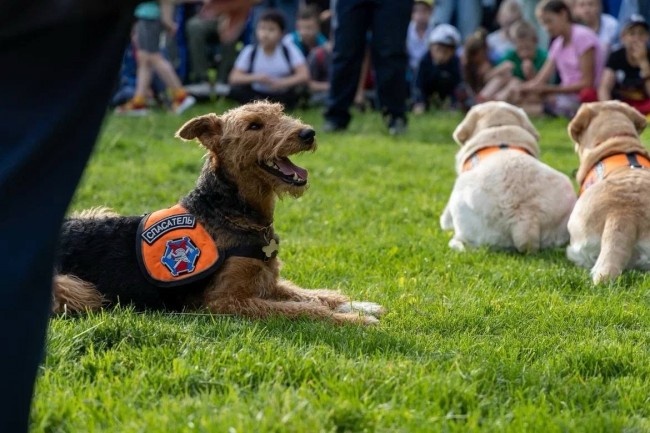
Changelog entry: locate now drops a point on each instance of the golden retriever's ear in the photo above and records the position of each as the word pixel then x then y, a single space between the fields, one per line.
pixel 465 129
pixel 580 122
pixel 208 124
pixel 637 118
pixel 527 124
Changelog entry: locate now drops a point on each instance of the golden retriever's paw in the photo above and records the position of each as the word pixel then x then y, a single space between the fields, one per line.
pixel 363 307
pixel 457 245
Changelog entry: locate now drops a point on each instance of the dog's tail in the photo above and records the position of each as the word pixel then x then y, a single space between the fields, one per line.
pixel 73 294
pixel 616 247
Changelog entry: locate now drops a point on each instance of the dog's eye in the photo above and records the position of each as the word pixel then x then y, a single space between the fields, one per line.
pixel 255 126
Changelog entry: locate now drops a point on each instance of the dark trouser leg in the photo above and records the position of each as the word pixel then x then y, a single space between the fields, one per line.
pixel 352 22
pixel 54 97
pixel 389 54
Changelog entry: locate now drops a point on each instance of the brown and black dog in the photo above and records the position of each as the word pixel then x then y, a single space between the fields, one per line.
pixel 216 249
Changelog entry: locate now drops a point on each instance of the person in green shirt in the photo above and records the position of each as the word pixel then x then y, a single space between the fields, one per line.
pixel 518 65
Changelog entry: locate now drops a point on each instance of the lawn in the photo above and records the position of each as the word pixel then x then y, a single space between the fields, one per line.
pixel 481 341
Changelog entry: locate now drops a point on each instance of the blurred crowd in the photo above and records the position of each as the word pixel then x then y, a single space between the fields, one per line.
pixel 398 56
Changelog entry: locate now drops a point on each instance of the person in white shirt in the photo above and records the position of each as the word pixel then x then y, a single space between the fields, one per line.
pixel 590 13
pixel 269 69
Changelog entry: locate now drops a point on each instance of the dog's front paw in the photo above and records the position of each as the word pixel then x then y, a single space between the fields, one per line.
pixel 363 307
pixel 457 245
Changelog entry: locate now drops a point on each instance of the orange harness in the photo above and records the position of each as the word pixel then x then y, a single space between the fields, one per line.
pixel 475 158
pixel 173 248
pixel 606 166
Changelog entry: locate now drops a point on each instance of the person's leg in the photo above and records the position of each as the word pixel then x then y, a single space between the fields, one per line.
pixel 228 56
pixel 389 55
pixel 198 31
pixel 165 71
pixel 352 22
pixel 468 16
pixel 443 12
pixel 143 75
pixel 48 131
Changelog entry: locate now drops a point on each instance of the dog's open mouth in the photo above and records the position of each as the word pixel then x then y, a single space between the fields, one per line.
pixel 286 170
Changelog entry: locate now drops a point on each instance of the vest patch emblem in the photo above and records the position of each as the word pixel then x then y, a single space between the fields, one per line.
pixel 174 249
pixel 180 256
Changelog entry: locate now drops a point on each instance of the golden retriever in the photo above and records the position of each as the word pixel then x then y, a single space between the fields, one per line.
pixel 504 196
pixel 610 224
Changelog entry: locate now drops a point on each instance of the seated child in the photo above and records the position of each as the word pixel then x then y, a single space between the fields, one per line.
pixel 627 73
pixel 518 65
pixel 307 35
pixel 269 69
pixel 417 35
pixel 500 41
pixel 439 74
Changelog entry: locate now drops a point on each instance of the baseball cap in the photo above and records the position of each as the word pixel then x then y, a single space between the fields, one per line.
pixel 429 3
pixel 635 20
pixel 445 34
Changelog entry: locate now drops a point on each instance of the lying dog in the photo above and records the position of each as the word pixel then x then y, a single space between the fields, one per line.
pixel 610 224
pixel 216 249
pixel 504 197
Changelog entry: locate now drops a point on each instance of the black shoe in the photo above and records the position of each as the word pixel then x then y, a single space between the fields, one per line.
pixel 396 125
pixel 330 126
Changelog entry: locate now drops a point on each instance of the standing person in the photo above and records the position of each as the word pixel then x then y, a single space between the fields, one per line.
pixel 387 20
pixel 627 73
pixel 465 14
pixel 576 54
pixel 631 7
pixel 48 130
pixel 153 19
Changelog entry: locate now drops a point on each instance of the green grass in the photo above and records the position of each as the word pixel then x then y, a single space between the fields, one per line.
pixel 482 341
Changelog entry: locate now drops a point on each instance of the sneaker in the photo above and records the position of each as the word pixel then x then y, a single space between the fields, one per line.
pixel 396 125
pixel 182 104
pixel 330 126
pixel 222 89
pixel 132 107
pixel 199 90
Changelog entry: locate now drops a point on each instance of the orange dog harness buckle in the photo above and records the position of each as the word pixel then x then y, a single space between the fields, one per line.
pixel 475 158
pixel 174 249
pixel 607 165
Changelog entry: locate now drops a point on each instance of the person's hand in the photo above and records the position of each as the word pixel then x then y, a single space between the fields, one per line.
pixel 276 84
pixel 170 27
pixel 233 14
pixel 528 68
pixel 264 79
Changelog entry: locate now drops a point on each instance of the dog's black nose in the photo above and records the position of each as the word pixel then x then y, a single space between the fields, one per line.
pixel 307 135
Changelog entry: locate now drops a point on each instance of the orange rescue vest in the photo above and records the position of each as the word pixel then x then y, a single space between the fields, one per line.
pixel 174 249
pixel 476 157
pixel 607 165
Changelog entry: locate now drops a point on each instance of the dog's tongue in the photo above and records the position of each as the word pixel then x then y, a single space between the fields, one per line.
pixel 289 168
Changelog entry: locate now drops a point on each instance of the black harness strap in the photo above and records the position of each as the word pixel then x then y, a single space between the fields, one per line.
pixel 285 51
pixel 634 162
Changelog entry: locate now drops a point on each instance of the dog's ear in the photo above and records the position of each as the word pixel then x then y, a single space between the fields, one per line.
pixel 465 129
pixel 580 122
pixel 197 127
pixel 637 118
